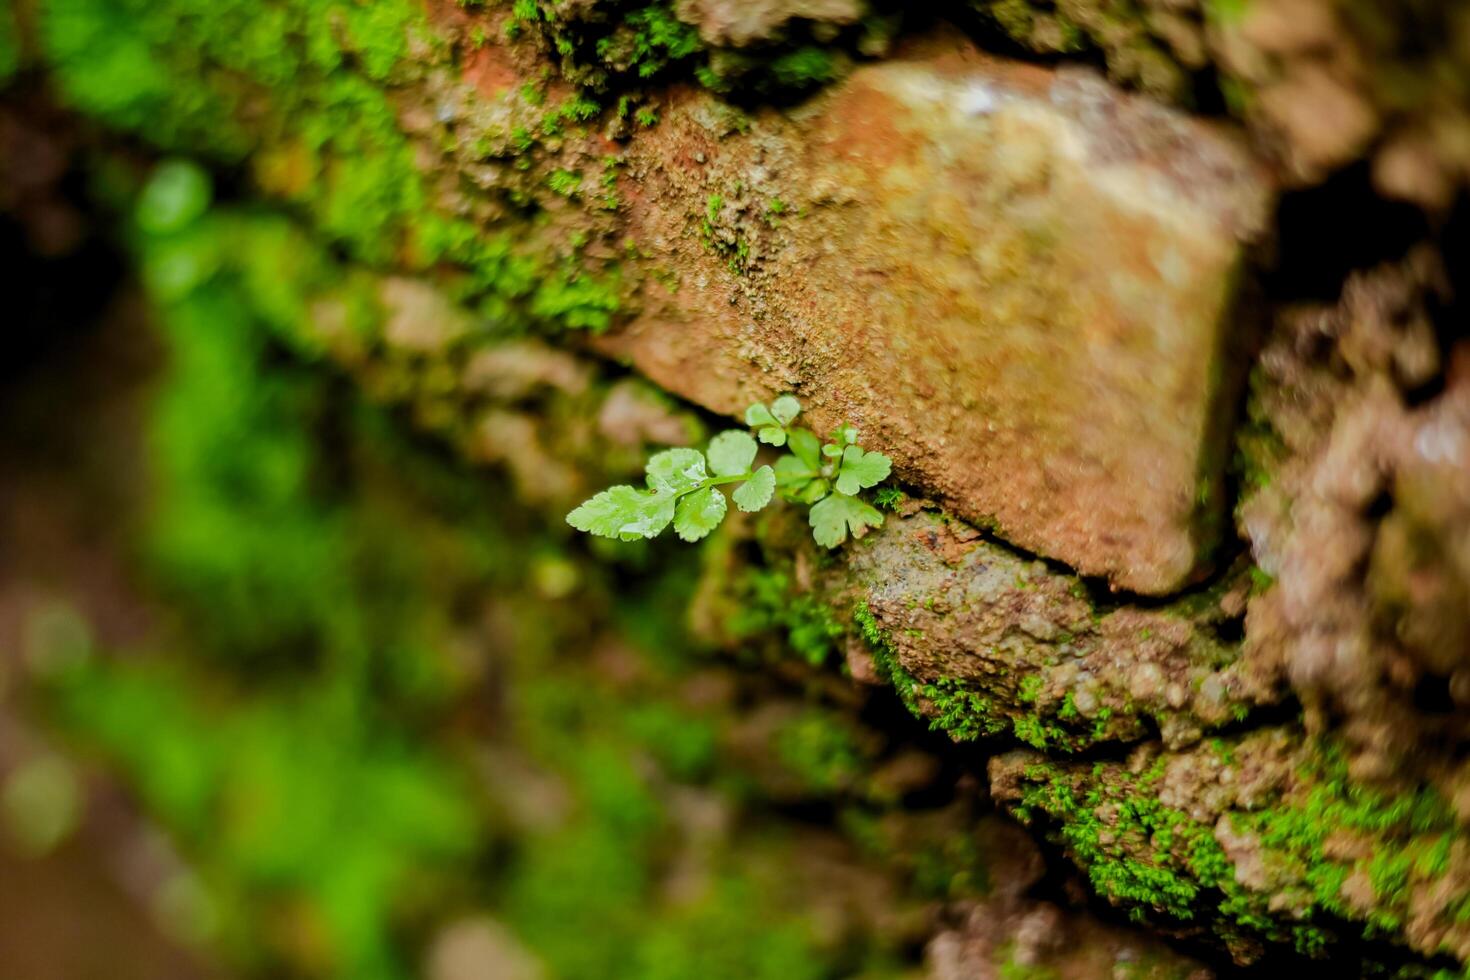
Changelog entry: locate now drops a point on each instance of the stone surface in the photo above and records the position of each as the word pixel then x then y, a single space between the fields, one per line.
pixel 1020 284
pixel 1358 507
pixel 1261 829
pixel 740 22
pixel 970 623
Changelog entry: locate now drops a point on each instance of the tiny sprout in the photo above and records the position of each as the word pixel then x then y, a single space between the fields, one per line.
pixel 684 484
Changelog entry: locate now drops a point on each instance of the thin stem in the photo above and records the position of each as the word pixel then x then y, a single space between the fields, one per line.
pixel 716 481
pixel 713 481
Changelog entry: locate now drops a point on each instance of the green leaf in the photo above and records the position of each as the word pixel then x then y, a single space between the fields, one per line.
pixel 807 447
pixel 758 414
pixel 756 492
pixel 832 449
pixel 792 472
pixel 812 492
pixel 676 470
pixel 731 453
pixel 860 470
pixel 785 409
pixel 699 513
pixel 626 513
pixel 833 517
pixel 773 435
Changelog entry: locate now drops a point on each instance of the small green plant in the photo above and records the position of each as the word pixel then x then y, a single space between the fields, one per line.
pixel 683 484
pixel 565 182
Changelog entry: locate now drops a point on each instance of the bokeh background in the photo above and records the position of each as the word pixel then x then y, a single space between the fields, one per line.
pixel 303 675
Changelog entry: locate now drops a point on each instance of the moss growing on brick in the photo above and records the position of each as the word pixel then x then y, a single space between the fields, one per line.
pixel 303 91
pixel 1325 857
pixel 953 707
pixel 766 600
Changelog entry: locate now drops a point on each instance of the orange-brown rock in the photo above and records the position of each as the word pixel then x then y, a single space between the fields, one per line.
pixel 1021 284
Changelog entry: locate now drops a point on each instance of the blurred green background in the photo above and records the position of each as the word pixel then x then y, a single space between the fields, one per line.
pixel 337 705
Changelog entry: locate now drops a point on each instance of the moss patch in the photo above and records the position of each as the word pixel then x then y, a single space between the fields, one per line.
pixel 1306 844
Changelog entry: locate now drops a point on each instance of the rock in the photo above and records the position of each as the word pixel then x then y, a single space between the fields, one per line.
pixel 740 22
pixel 954 622
pixel 1267 818
pixel 1361 512
pixel 420 319
pixel 1020 284
pixel 1013 937
pixel 480 948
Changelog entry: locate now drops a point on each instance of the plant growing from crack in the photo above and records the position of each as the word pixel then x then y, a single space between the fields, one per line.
pixel 684 485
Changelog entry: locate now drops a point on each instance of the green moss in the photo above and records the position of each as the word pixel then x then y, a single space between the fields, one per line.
pixel 767 601
pixel 565 182
pixel 301 90
pixel 609 47
pixel 1119 817
pixel 304 92
pixel 579 108
pixel 1011 969
pixel 736 251
pixel 821 750
pixel 804 68
pixel 965 714
pixel 1120 30
pixel 10 46
pixel 649 40
pixel 1157 860
pixel 290 796
pixel 889 498
pixel 277 744
pixel 1259 448
pixel 1420 822
pixel 1226 11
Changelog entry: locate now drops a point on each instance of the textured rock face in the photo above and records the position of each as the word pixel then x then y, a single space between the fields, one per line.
pixel 986 642
pixel 739 22
pixel 1359 510
pixel 1019 283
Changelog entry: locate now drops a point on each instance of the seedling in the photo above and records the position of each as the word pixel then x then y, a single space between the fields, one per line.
pixel 684 485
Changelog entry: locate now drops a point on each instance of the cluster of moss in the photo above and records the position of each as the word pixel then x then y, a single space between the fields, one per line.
pixel 1184 860
pixel 822 750
pixel 768 602
pixel 951 706
pixel 606 41
pixel 1419 823
pixel 611 46
pixel 303 92
pixel 1157 860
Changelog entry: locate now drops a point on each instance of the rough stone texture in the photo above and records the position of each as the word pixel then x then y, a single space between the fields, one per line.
pixel 1260 837
pixel 1319 83
pixel 1326 82
pixel 739 22
pixel 971 623
pixel 1020 284
pixel 1011 933
pixel 1359 511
